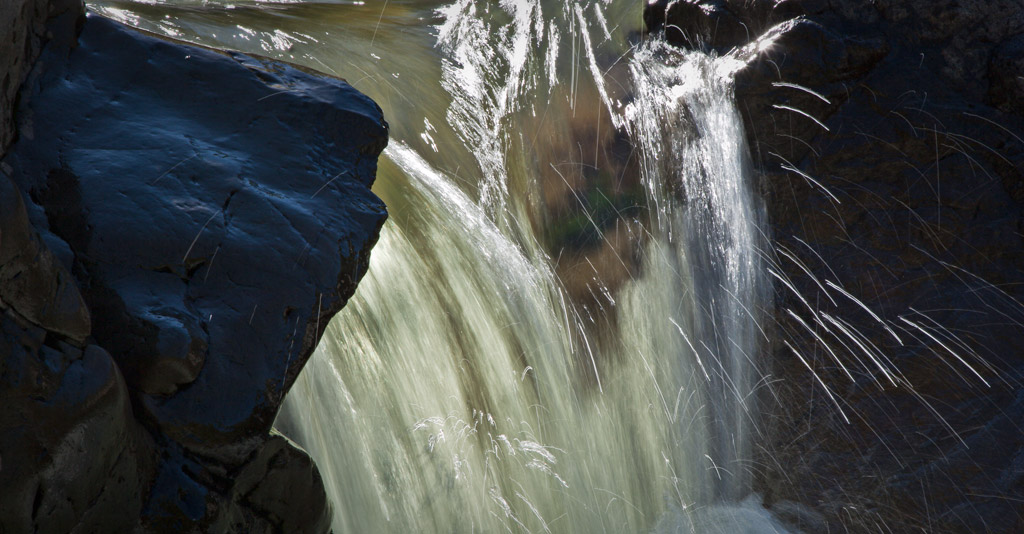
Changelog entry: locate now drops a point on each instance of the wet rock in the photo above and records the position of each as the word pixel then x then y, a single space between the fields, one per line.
pixel 33 284
pixel 21 37
pixel 888 139
pixel 697 24
pixel 1006 72
pixel 798 517
pixel 796 82
pixel 209 212
pixel 74 458
pixel 281 475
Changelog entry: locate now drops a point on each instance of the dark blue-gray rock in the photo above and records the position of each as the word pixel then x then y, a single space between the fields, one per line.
pixel 1006 75
pixel 212 211
pixel 72 456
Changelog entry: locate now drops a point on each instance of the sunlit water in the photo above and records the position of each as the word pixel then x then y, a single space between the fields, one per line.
pixel 522 355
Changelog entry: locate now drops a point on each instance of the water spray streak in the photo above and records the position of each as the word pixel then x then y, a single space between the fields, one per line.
pixel 559 330
pixel 464 390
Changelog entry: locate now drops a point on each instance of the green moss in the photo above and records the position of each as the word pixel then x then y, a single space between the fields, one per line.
pixel 594 213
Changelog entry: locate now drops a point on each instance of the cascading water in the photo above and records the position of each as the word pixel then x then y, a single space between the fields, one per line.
pixel 713 230
pixel 505 365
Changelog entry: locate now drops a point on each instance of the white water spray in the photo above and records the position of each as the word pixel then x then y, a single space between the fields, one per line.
pixel 466 387
pixel 453 393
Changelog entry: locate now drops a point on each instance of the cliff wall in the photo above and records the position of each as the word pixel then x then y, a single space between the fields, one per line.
pixel 889 139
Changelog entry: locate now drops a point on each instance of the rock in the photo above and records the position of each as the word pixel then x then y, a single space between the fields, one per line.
pixel 281 475
pixel 798 81
pixel 74 457
pixel 33 284
pixel 698 23
pixel 210 212
pixel 799 517
pixel 890 148
pixel 1006 75
pixel 22 35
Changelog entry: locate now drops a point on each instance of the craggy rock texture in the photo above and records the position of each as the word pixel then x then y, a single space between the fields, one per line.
pixel 177 227
pixel 22 33
pixel 890 141
pixel 71 454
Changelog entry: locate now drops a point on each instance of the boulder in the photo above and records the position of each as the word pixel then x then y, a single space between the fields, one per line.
pixel 270 485
pixel 179 225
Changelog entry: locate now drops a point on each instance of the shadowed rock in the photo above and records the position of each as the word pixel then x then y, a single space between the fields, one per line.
pixel 72 457
pixel 698 23
pixel 33 284
pixel 211 212
pixel 888 136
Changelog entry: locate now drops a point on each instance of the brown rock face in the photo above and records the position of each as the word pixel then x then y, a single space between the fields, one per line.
pixel 20 34
pixel 890 142
pixel 33 283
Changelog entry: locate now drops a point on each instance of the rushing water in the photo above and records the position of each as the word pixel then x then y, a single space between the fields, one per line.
pixel 559 329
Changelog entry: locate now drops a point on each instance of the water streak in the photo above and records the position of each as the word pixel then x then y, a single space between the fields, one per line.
pixel 489 418
pixel 535 347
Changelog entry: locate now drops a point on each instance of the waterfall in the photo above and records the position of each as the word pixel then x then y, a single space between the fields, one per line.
pixel 714 232
pixel 559 330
